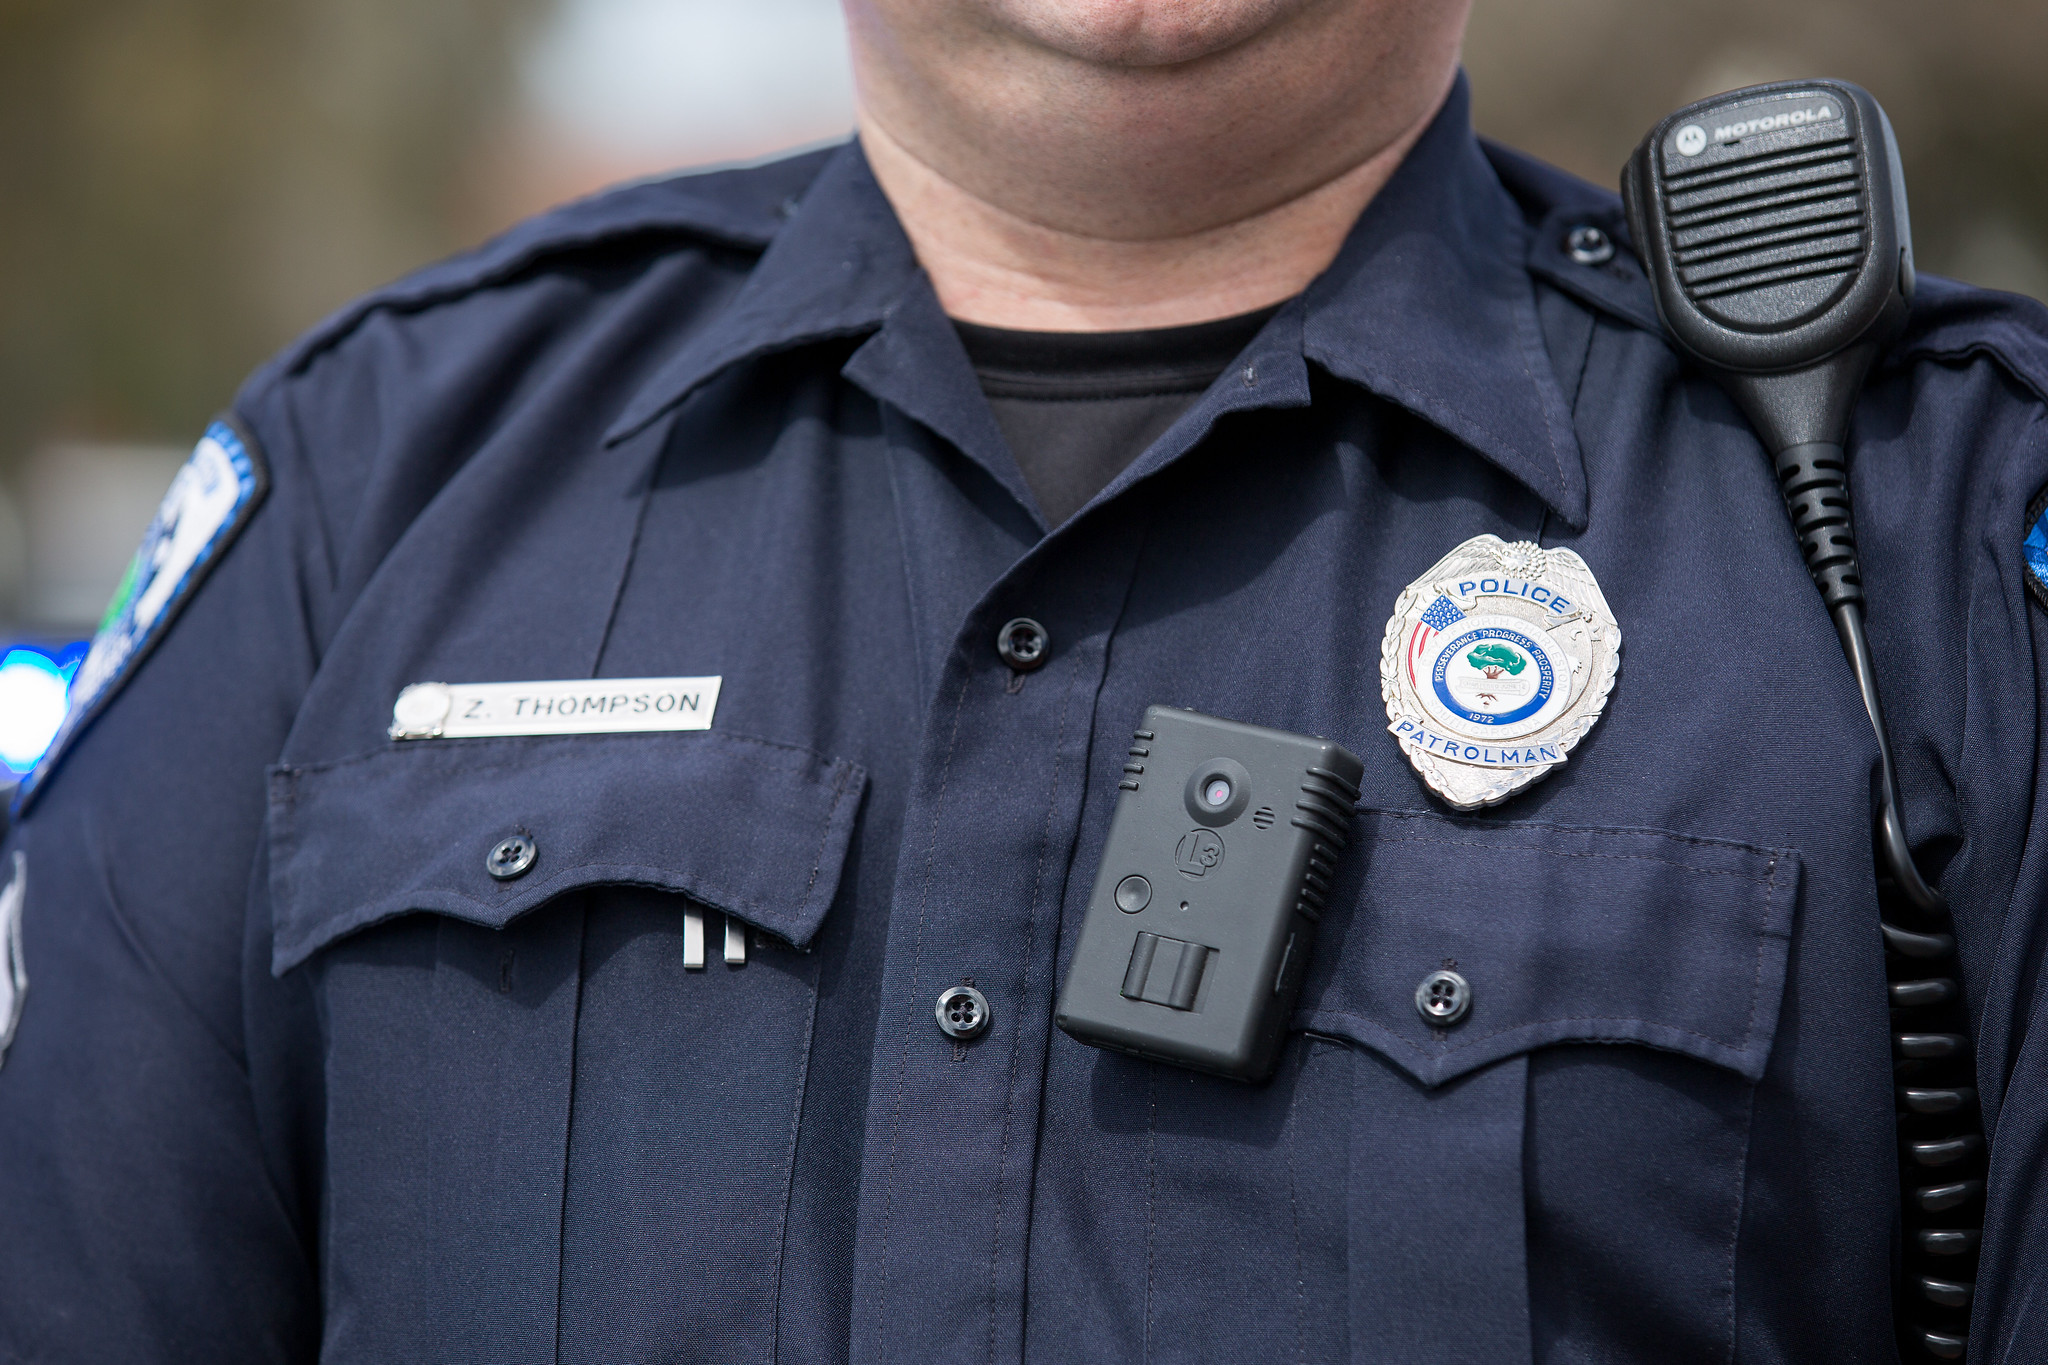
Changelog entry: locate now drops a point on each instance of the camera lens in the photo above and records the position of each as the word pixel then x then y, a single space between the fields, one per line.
pixel 1215 791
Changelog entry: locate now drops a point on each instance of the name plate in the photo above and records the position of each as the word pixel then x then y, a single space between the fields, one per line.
pixel 588 706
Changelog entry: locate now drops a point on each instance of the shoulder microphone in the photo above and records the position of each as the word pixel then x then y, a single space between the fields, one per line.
pixel 1772 224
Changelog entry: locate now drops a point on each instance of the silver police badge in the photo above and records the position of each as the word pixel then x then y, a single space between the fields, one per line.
pixel 1497 661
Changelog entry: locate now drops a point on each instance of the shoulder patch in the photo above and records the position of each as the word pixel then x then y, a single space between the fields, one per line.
pixel 13 974
pixel 210 500
pixel 2034 549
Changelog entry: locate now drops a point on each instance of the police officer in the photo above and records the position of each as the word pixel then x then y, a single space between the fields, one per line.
pixel 585 707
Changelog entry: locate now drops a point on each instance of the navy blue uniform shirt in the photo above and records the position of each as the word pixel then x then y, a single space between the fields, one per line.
pixel 297 1077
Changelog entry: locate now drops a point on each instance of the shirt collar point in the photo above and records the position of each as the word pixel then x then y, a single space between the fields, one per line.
pixel 792 296
pixel 1431 305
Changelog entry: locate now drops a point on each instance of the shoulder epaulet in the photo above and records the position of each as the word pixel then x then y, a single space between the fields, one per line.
pixel 1555 204
pixel 1953 321
pixel 1949 321
pixel 1541 188
pixel 741 207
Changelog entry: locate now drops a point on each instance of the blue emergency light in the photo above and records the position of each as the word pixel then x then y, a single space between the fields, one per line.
pixel 35 684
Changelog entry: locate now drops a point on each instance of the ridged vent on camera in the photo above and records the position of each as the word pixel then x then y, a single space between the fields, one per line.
pixel 1779 230
pixel 1325 812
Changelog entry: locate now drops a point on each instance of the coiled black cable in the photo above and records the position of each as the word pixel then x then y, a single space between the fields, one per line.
pixel 1940 1126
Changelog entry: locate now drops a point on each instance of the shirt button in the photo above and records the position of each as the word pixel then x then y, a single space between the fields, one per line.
pixel 963 1013
pixel 1023 644
pixel 510 857
pixel 1443 998
pixel 1588 245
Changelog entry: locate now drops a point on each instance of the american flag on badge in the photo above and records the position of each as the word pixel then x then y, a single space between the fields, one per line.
pixel 1441 615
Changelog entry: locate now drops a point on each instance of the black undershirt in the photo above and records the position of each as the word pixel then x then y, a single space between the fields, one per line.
pixel 1076 407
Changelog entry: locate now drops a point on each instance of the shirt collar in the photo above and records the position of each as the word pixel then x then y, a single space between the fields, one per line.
pixel 837 269
pixel 1429 304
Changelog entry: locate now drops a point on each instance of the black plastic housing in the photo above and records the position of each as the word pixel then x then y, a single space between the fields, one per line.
pixel 1773 224
pixel 1201 967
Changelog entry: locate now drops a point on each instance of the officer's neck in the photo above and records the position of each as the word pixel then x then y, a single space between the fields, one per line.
pixel 1100 218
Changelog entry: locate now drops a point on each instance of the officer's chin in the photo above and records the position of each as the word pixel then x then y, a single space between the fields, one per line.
pixel 1142 33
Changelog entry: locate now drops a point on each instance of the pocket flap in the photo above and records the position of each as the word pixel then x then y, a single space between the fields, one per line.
pixel 1566 935
pixel 754 829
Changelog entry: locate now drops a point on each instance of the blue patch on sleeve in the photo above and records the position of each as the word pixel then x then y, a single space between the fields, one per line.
pixel 2034 549
pixel 210 500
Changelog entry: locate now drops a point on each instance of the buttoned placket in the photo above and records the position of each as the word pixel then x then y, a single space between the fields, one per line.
pixel 986 872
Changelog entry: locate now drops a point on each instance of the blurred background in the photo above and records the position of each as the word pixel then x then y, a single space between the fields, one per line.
pixel 186 184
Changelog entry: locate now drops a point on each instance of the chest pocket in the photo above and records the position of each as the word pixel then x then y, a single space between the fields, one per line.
pixel 1510 1186
pixel 1563 935
pixel 538 1107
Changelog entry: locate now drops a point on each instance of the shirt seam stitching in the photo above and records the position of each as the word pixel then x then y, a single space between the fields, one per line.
pixel 1017 1034
pixel 1671 836
pixel 903 1052
pixel 1471 1042
pixel 1566 853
